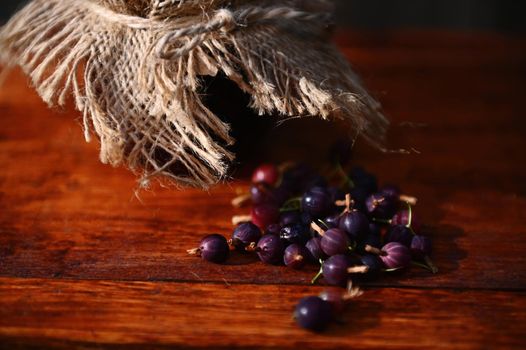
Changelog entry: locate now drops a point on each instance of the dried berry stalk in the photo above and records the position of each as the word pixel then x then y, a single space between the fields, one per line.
pixel 134 68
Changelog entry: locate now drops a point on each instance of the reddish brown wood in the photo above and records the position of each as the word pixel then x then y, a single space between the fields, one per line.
pixel 123 239
pixel 67 215
pixel 63 215
pixel 220 315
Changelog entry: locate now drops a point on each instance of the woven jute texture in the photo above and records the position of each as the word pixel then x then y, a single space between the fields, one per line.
pixel 135 69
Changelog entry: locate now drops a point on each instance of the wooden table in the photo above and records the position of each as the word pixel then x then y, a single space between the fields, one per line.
pixel 85 263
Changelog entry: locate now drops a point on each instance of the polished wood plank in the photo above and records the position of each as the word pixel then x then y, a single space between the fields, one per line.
pixel 88 261
pixel 66 215
pixel 73 313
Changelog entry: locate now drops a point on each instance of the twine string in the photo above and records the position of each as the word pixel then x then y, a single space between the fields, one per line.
pixel 222 21
pixel 225 21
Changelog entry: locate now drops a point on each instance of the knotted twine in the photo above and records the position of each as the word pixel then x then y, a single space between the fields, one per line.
pixel 134 69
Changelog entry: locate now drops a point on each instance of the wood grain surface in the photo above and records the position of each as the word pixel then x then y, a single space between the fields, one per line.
pixel 222 315
pixel 87 261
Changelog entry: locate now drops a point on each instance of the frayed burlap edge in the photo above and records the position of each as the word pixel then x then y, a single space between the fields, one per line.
pixel 136 80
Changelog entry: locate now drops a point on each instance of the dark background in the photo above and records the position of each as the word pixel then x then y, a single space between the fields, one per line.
pixel 494 15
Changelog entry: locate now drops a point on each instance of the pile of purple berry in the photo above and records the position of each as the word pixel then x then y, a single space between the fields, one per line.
pixel 352 230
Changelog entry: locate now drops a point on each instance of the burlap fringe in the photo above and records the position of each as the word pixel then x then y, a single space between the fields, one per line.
pixel 136 79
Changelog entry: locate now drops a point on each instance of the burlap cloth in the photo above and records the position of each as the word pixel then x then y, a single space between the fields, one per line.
pixel 134 70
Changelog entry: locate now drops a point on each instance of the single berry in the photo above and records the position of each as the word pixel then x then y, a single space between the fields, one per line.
pixel 316 202
pixel 266 173
pixel 295 256
pixel 355 224
pixel 408 218
pixel 334 269
pixel 262 193
pixel 315 251
pixel 213 248
pixel 373 263
pixel 332 221
pixel 390 191
pixel 420 247
pixel 296 233
pixel 245 234
pixel 395 255
pixel 264 214
pixel 335 241
pixel 380 206
pixel 313 313
pixel 400 234
pixel 270 249
pixel 273 229
pixel 289 217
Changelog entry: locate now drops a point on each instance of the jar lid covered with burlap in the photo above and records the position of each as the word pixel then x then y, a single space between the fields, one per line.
pixel 134 70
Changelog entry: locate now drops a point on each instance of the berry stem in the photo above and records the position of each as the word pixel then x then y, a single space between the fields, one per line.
pixel 292 200
pixel 315 278
pixel 408 199
pixel 373 250
pixel 317 228
pixel 377 202
pixel 291 204
pixel 358 269
pixel 431 265
pixel 348 203
pixel 285 166
pixel 340 203
pixel 409 215
pixel 318 275
pixel 241 200
pixel 252 247
pixel 323 223
pixel 382 221
pixel 392 270
pixel 346 179
pixel 237 219
pixel 193 251
pixel 424 266
pixel 352 292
